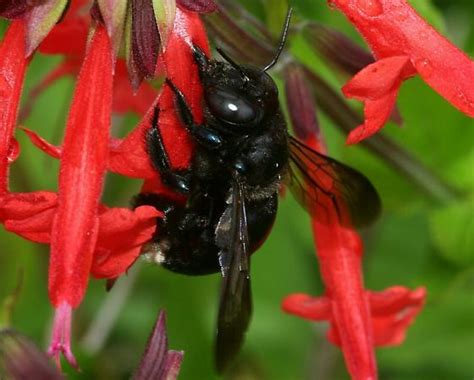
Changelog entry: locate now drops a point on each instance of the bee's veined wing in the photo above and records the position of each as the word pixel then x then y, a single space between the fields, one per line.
pixel 235 305
pixel 319 183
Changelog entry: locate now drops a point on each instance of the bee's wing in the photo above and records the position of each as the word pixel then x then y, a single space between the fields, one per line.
pixel 235 305
pixel 320 183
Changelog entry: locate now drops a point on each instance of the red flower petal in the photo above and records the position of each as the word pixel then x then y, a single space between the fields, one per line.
pixel 128 156
pixel 23 205
pixel 377 85
pixel 29 214
pixel 122 233
pixel 36 228
pixel 393 28
pixel 379 78
pixel 83 164
pixel 305 306
pixel 377 112
pixel 393 311
pixel 12 71
pixel 50 149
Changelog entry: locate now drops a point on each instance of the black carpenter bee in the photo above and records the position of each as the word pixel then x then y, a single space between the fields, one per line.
pixel 242 153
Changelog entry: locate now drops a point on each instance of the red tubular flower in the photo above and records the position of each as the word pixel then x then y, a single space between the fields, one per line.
pixel 83 163
pixel 86 237
pixel 12 72
pixel 404 45
pixel 359 319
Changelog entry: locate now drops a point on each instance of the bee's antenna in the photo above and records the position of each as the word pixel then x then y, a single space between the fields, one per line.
pixel 283 36
pixel 234 64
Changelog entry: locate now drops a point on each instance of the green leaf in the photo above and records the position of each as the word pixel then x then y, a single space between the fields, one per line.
pixel 451 229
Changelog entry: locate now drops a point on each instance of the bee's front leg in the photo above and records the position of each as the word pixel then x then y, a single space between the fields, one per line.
pixel 178 180
pixel 202 134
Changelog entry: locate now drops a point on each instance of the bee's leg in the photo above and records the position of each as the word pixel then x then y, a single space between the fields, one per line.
pixel 203 135
pixel 176 179
pixel 200 58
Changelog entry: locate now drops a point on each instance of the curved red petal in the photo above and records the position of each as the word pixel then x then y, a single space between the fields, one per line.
pixel 377 85
pixel 376 114
pixel 29 215
pixel 305 306
pixel 36 227
pixel 83 164
pixel 129 157
pixel 379 78
pixel 393 311
pixel 122 233
pixel 24 205
pixel 50 149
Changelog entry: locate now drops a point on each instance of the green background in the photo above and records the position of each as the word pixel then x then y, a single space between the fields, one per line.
pixel 417 241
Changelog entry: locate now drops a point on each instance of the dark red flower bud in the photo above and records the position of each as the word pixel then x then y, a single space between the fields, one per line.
pixel 145 41
pixel 300 102
pixel 158 362
pixel 12 9
pixel 337 48
pixel 201 6
pixel 21 359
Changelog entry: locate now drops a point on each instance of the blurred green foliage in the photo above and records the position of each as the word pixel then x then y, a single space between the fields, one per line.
pixel 416 242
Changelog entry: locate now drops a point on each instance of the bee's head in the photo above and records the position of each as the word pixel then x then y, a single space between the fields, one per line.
pixel 239 95
pixel 234 94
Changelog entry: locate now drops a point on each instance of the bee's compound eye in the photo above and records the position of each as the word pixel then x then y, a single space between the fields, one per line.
pixel 230 107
